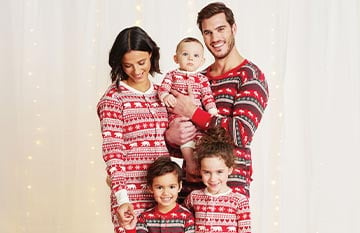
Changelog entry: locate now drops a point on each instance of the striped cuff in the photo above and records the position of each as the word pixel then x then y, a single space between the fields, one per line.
pixel 122 197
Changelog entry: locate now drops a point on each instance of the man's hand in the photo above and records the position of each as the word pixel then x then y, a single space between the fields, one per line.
pixel 184 103
pixel 180 130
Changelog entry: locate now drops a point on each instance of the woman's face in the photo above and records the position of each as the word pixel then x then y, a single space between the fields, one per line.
pixel 136 64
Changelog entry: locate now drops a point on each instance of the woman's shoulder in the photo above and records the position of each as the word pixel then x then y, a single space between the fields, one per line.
pixel 111 91
pixel 111 95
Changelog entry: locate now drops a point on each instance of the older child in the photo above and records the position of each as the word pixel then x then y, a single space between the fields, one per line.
pixel 217 208
pixel 190 57
pixel 164 182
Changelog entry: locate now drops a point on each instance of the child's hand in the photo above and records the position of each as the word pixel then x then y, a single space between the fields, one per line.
pixel 131 224
pixel 170 101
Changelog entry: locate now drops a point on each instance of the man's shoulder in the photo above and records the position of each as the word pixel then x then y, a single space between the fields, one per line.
pixel 247 64
pixel 249 71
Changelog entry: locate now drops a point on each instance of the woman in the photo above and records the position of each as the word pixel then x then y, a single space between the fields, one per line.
pixel 133 122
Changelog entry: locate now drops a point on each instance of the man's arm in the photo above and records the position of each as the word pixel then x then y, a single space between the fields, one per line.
pixel 250 101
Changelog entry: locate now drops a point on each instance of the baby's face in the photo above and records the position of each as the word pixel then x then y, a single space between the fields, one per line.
pixel 190 56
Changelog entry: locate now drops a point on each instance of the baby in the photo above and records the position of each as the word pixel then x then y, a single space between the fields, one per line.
pixel 190 57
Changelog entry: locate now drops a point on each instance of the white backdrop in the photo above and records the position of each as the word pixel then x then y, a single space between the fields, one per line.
pixel 54 69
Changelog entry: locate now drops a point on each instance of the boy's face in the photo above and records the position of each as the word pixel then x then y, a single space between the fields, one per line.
pixel 190 56
pixel 165 189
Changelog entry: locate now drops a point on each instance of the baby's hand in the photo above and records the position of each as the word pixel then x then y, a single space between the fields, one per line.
pixel 170 101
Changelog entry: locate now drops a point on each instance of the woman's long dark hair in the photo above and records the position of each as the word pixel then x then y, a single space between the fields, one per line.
pixel 132 38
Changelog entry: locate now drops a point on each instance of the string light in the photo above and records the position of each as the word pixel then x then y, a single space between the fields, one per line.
pixel 274 79
pixel 139 13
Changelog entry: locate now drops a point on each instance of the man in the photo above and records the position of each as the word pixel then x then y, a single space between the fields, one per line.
pixel 239 88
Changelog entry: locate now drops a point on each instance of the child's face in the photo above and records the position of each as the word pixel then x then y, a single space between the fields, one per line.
pixel 190 56
pixel 165 189
pixel 214 173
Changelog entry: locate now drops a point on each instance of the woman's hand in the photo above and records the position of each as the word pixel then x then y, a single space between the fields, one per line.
pixel 126 214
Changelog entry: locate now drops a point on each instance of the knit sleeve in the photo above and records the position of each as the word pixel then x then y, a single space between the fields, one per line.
pixel 250 102
pixel 243 216
pixel 165 87
pixel 110 115
pixel 188 203
pixel 249 98
pixel 207 98
pixel 130 231
pixel 141 225
pixel 189 223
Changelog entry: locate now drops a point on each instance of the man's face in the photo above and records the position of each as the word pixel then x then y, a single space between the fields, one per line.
pixel 218 35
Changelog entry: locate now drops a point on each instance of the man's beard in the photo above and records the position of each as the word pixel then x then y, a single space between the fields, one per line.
pixel 230 47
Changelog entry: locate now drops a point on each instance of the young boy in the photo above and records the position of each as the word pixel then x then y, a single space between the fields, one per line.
pixel 164 182
pixel 217 208
pixel 190 57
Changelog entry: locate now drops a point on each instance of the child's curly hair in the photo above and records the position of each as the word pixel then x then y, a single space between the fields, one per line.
pixel 216 142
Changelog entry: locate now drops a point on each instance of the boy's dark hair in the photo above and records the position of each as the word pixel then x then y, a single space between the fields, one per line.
pixel 213 9
pixel 162 166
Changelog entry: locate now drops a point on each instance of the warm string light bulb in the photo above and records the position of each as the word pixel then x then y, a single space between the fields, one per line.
pixel 139 12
